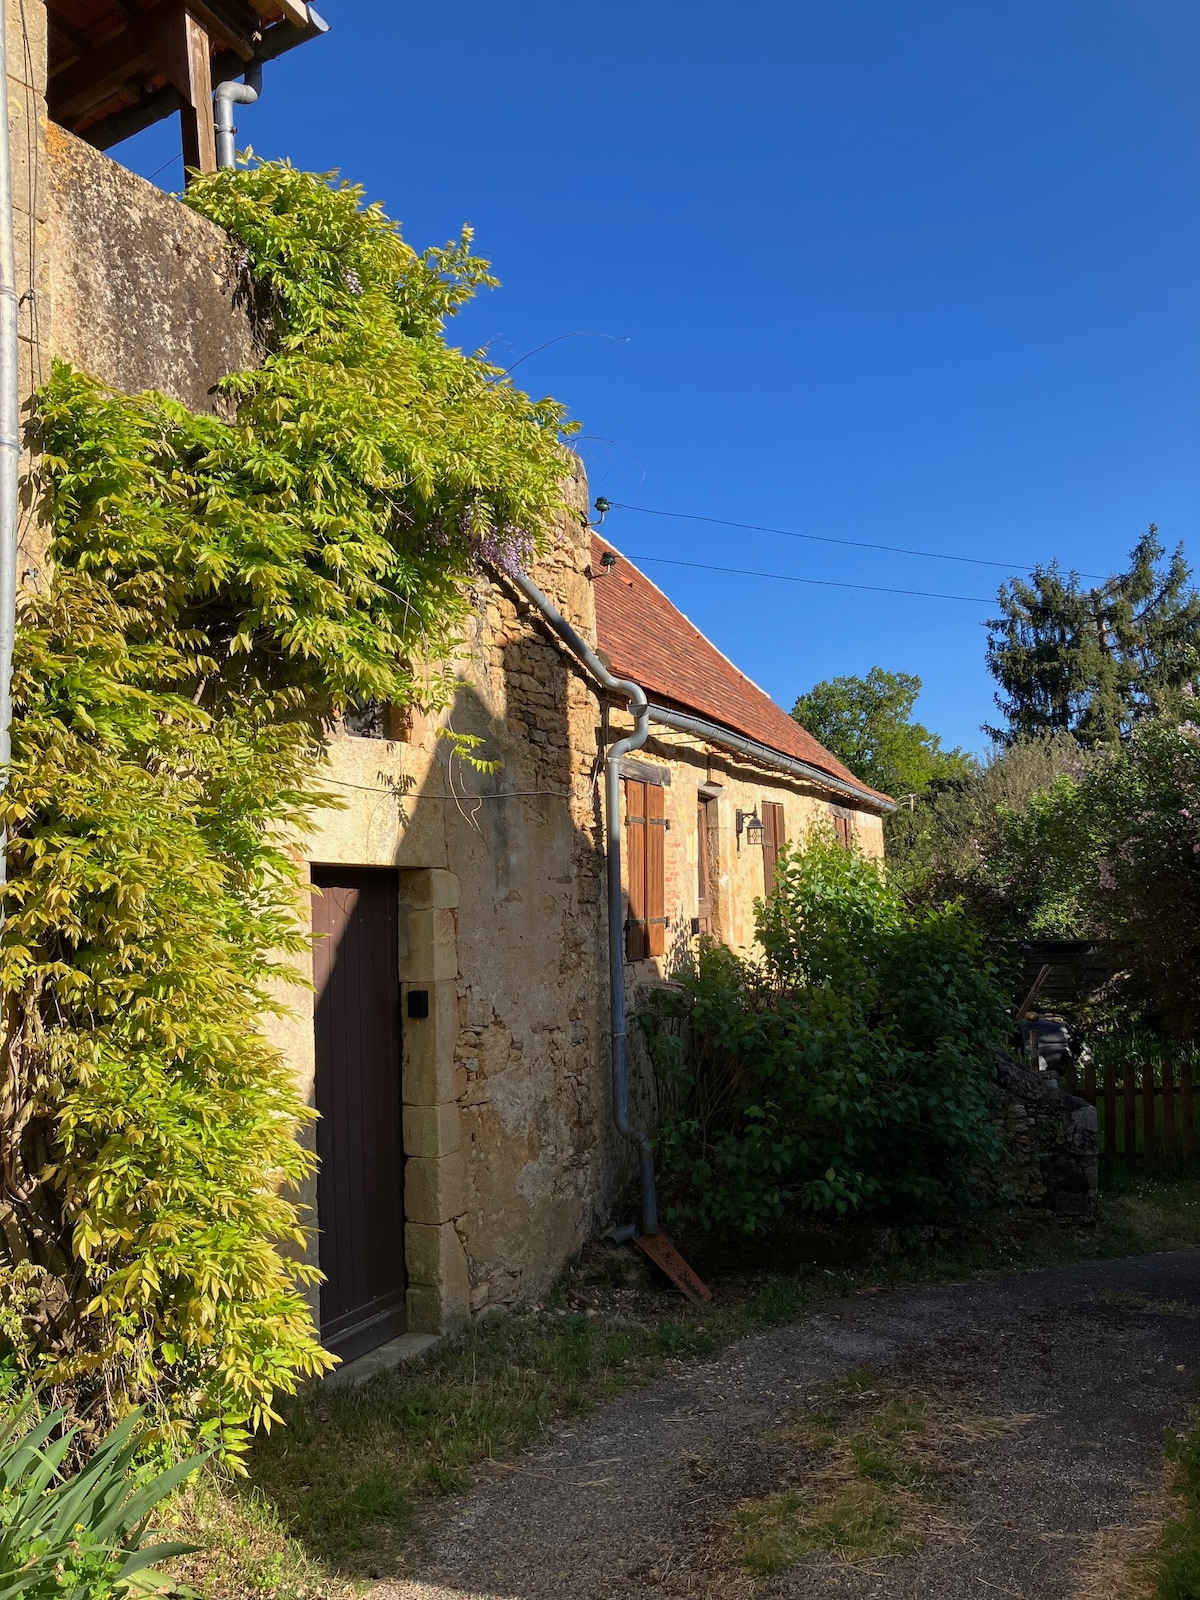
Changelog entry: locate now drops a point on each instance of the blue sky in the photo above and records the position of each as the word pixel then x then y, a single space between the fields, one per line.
pixel 919 274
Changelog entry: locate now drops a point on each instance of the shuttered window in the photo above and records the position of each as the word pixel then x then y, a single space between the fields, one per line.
pixel 843 828
pixel 645 854
pixel 706 811
pixel 774 839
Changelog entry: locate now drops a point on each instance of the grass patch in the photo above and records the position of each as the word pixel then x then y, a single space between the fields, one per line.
pixel 245 1550
pixel 1174 1568
pixel 351 1464
pixel 873 1473
pixel 338 1492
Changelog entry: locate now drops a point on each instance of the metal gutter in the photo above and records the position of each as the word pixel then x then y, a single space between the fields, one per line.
pixel 714 733
pixel 636 698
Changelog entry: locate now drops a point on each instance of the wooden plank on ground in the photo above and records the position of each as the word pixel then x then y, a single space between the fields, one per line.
pixel 667 1259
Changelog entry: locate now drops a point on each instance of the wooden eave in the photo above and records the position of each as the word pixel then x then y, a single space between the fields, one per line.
pixel 117 65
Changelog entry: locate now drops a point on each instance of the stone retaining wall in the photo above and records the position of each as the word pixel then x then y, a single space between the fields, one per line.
pixel 1051 1139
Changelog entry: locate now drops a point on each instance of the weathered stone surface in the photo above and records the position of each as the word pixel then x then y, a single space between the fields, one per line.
pixel 1051 1140
pixel 143 290
pixel 437 1263
pixel 431 1131
pixel 434 1190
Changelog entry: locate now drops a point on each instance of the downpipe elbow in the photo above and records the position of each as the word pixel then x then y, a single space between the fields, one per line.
pixel 225 96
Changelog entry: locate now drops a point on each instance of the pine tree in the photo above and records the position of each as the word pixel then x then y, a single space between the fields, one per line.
pixel 1095 662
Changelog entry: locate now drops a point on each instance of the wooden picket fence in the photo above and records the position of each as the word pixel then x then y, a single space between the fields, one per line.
pixel 1145 1112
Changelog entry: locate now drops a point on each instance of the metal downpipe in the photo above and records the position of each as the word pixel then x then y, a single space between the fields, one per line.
pixel 225 96
pixel 10 445
pixel 636 698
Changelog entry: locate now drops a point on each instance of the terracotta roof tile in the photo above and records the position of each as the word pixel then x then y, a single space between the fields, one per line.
pixel 644 637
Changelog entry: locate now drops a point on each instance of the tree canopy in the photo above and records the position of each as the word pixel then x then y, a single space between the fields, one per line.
pixel 868 724
pixel 1095 662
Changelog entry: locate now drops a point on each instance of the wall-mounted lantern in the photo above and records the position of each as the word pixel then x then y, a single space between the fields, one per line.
pixel 751 822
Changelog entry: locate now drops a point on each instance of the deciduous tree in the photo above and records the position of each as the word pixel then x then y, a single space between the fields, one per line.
pixel 868 723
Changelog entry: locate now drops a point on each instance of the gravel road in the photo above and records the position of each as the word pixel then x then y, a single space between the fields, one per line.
pixel 1090 1363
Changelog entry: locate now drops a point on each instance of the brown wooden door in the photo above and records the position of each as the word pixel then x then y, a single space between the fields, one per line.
pixel 360 1187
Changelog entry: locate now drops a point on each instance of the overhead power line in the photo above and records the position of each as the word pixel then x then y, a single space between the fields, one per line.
pixel 821 583
pixel 826 538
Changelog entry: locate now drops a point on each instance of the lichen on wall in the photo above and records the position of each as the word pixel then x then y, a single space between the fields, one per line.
pixel 142 291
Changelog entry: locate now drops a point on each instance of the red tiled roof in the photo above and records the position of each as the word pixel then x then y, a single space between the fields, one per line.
pixel 642 636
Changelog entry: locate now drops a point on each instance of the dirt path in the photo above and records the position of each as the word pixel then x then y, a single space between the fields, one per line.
pixel 981 1440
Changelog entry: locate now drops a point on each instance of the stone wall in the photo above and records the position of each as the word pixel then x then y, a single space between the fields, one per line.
pixel 510 1154
pixel 511 1157
pixel 1051 1140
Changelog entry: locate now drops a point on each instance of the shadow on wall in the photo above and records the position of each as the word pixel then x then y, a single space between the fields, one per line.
pixel 538 1167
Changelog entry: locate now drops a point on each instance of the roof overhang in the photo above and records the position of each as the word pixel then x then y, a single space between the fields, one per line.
pixel 116 66
pixel 738 744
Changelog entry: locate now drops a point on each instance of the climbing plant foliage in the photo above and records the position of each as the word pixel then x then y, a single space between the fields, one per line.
pixel 221 587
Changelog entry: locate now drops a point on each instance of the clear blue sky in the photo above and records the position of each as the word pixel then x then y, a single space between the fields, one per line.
pixel 923 274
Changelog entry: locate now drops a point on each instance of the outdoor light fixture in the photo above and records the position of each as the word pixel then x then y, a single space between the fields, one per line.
pixel 752 823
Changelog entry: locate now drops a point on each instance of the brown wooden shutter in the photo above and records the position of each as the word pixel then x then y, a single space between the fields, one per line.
pixel 637 942
pixel 841 826
pixel 703 900
pixel 774 838
pixel 656 887
pixel 645 850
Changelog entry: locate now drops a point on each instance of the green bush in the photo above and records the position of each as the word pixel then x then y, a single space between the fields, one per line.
pixel 78 1535
pixel 1112 853
pixel 847 1071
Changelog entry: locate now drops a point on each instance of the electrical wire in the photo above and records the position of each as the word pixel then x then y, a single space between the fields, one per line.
pixel 825 538
pixel 822 583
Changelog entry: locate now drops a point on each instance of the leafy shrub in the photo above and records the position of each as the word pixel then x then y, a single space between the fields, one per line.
pixel 849 1070
pixel 219 590
pixel 77 1535
pixel 1121 848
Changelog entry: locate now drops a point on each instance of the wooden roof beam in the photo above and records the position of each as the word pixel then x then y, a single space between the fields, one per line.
pixel 157 104
pixel 92 79
pixel 294 10
pixel 179 42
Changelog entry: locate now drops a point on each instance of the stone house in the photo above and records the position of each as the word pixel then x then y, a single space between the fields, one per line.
pixel 456 1037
